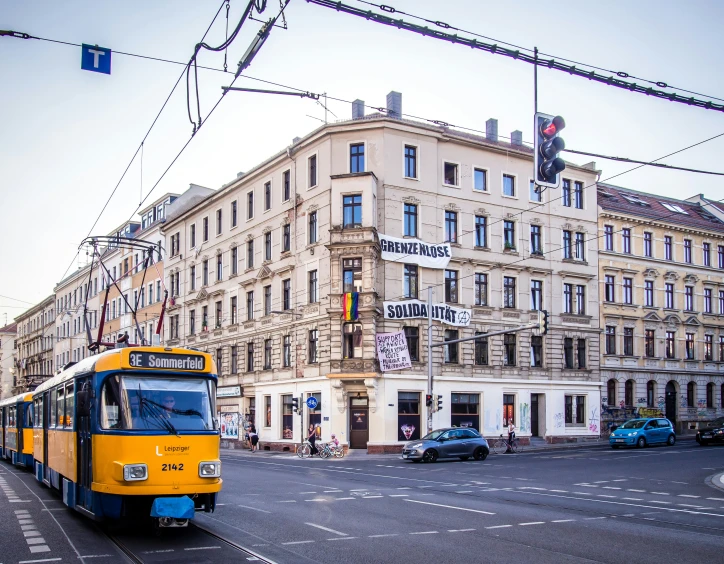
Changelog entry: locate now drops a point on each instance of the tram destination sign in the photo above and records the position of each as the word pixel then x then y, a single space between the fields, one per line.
pixel 167 361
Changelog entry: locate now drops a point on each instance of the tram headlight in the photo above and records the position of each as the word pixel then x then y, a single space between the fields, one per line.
pixel 210 469
pixel 135 472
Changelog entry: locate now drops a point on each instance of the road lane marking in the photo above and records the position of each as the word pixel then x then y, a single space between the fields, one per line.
pixel 637 491
pixel 459 530
pixel 341 538
pixel 532 523
pixel 318 499
pixel 39 560
pixel 464 491
pixel 298 542
pixel 425 533
pixel 687 495
pixel 372 496
pixel 592 518
pixel 327 529
pixel 342 498
pixel 609 496
pixel 659 493
pixel 202 548
pixel 307 492
pixel 563 521
pixel 632 498
pixel 499 527
pixel 285 501
pixel 610 488
pixel 449 506
pixel 560 491
pixel 380 536
pixel 664 502
pixel 255 509
pixel 400 495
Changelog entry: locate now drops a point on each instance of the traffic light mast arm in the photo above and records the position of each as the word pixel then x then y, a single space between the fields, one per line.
pixel 483 335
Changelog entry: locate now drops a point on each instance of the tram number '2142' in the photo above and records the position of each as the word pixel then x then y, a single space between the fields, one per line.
pixel 171 467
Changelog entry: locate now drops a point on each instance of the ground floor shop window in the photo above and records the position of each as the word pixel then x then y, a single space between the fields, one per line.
pixel 315 415
pixel 252 411
pixel 287 418
pixel 575 410
pixel 508 409
pixel 267 411
pixel 465 410
pixel 408 416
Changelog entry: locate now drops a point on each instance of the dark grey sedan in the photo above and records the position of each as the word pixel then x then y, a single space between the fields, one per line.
pixel 447 443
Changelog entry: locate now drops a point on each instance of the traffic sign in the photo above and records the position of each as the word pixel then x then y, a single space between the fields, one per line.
pixel 312 402
pixel 96 59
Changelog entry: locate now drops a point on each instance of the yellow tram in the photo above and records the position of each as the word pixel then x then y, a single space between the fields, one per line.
pixel 131 432
pixel 16 430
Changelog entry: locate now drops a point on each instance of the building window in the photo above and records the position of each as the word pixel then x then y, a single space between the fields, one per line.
pixel 650 343
pixel 287 185
pixel 451 286
pixel 287 416
pixel 465 411
pixel 608 237
pixel 451 351
pixel 536 245
pixel 536 351
pixel 481 289
pixel 626 240
pixel 352 275
pixel 286 294
pixel 267 300
pixel 566 192
pixel 581 353
pixel 205 272
pixel 628 393
pixel 410 222
pixel 233 310
pixel 287 351
pixel 219 315
pixel 313 298
pixel 579 195
pixel 481 231
pixel 567 244
pixel 628 291
pixel 668 248
pixel 450 174
pixel 580 246
pixel 249 306
pixel 575 410
pixel 234 260
pixel 412 335
pixel 286 238
pixel 218 222
pixel 267 354
pixel 352 340
pixel 250 254
pixel 707 300
pixel 250 356
pixel 410 161
pixel 250 205
pixel 609 288
pixel 710 395
pixel 610 339
pixel 536 295
pixel 669 294
pixel 650 393
pixel 568 299
pixel 581 300
pixel 192 279
pixel 481 350
pixel 219 357
pixel 192 235
pixel 192 322
pixel 721 256
pixel 234 219
pixel 267 196
pixel 670 344
pixel 234 359
pixel 509 235
pixel 352 211
pixel 509 352
pixel 451 227
pixel 690 346
pixel 205 318
pixel 689 298
pixel 408 416
pixel 648 293
pixel 174 249
pixel 691 394
pixel 205 229
pixel 648 244
pixel 509 185
pixel 628 341
pixel 357 157
pixel 410 280
pixel 708 347
pixel 480 180
pixel 509 292
pixel 219 268
pixel 611 387
pixel 536 195
pixel 721 304
pixel 508 409
pixel 267 245
pixel 312 171
pixel 687 251
pixel 313 338
pixel 312 227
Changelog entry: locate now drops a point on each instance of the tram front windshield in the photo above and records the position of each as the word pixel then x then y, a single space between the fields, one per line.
pixel 157 404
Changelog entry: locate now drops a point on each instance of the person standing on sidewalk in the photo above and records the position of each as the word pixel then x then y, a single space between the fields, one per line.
pixel 511 435
pixel 253 437
pixel 312 436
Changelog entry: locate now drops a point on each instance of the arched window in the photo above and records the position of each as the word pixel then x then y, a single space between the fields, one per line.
pixel 691 394
pixel 650 393
pixel 612 392
pixel 352 340
pixel 629 393
pixel 710 395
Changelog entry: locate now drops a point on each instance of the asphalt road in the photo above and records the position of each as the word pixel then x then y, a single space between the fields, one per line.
pixel 589 504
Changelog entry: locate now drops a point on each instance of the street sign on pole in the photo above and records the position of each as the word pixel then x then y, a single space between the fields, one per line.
pixel 312 402
pixel 96 59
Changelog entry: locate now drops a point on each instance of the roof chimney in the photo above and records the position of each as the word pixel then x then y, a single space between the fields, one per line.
pixel 358 109
pixel 394 105
pixel 516 138
pixel 491 130
pixel 296 140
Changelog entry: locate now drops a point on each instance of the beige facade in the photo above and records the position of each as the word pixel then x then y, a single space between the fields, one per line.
pixel 8 359
pixel 70 331
pixel 301 229
pixel 35 331
pixel 662 287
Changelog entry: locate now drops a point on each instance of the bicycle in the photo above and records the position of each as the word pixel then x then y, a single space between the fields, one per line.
pixel 502 445
pixel 327 450
pixel 304 450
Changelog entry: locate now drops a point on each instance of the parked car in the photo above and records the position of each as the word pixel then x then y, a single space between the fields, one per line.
pixel 643 432
pixel 712 433
pixel 452 442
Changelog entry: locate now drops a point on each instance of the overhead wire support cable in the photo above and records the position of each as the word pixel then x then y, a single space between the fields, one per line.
pixel 311 95
pixel 647 163
pixel 516 54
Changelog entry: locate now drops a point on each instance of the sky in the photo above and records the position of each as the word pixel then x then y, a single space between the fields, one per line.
pixel 67 135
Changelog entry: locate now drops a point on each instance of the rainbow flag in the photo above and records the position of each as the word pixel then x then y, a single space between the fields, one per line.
pixel 350 306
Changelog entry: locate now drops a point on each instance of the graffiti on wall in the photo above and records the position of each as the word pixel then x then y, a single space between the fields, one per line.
pixel 593 421
pixel 661 403
pixel 641 402
pixel 524 418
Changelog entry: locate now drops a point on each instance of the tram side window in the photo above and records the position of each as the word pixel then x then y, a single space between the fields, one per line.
pixel 37 412
pixel 61 406
pixel 53 407
pixel 110 404
pixel 69 406
pixel 29 415
pixel 11 417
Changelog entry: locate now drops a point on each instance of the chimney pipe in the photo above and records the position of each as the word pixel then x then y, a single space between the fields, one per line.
pixel 394 105
pixel 516 138
pixel 491 130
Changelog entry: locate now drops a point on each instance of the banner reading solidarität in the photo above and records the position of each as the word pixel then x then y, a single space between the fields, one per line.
pixel 415 309
pixel 414 251
pixel 392 351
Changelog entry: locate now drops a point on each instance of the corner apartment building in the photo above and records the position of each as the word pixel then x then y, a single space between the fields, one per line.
pixel 8 359
pixel 71 337
pixel 662 287
pixel 260 268
pixel 35 330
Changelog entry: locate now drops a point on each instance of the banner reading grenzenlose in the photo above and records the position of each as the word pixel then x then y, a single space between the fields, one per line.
pixel 392 351
pixel 415 309
pixel 414 251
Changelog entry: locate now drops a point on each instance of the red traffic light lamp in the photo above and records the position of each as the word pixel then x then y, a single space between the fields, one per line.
pixel 548 144
pixel 428 400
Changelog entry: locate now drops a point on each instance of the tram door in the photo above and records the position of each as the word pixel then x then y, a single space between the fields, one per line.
pixel 46 424
pixel 84 438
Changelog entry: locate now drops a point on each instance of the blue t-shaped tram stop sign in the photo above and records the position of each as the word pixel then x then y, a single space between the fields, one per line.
pixel 96 59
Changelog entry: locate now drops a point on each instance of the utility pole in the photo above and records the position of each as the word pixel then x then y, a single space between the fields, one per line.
pixel 429 356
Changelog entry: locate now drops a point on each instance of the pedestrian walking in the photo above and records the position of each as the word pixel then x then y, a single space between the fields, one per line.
pixel 312 436
pixel 253 438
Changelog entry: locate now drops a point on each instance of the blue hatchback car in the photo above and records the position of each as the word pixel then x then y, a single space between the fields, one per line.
pixel 643 432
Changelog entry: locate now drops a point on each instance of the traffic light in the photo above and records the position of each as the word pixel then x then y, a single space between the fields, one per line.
pixel 439 403
pixel 548 144
pixel 543 321
pixel 428 400
pixel 295 405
